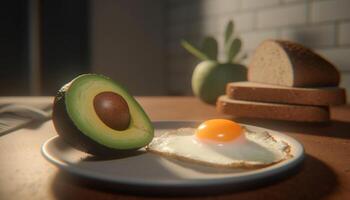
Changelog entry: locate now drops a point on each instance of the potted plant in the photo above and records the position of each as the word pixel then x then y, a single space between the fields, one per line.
pixel 210 76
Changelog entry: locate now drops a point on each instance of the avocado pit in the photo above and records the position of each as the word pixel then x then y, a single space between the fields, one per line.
pixel 113 110
pixel 89 111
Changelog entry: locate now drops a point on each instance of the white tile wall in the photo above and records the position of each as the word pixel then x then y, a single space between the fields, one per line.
pixel 328 10
pixel 290 1
pixel 312 36
pixel 320 24
pixel 344 33
pixel 207 27
pixel 243 21
pixel 252 39
pixel 282 16
pixel 217 7
pixel 338 56
pixel 247 4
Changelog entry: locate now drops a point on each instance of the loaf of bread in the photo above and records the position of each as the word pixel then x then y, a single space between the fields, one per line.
pixel 276 111
pixel 251 91
pixel 286 63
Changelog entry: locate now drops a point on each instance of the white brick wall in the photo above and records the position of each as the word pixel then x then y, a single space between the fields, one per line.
pixel 282 16
pixel 247 4
pixel 288 1
pixel 328 10
pixel 243 21
pixel 344 34
pixel 320 24
pixel 339 56
pixel 252 39
pixel 207 27
pixel 315 36
pixel 216 7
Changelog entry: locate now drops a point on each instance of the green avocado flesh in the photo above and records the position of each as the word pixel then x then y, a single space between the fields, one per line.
pixel 79 96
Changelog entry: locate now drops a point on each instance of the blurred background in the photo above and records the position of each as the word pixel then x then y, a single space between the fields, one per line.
pixel 46 43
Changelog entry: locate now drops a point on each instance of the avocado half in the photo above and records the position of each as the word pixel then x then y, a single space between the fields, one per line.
pixel 98 116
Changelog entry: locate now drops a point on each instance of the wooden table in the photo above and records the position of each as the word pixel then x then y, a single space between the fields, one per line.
pixel 325 174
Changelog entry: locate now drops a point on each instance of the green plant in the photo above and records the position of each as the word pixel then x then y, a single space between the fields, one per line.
pixel 210 77
pixel 209 48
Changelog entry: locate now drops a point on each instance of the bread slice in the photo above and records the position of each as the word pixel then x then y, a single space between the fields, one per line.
pixel 287 112
pixel 251 91
pixel 286 63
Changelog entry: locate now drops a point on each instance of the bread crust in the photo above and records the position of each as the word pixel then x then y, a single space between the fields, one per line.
pixel 309 68
pixel 321 96
pixel 276 111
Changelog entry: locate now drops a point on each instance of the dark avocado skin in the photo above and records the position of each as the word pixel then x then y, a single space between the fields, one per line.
pixel 72 135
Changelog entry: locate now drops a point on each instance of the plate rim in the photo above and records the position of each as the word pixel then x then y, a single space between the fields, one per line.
pixel 241 177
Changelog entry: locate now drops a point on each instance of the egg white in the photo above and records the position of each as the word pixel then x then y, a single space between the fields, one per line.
pixel 249 150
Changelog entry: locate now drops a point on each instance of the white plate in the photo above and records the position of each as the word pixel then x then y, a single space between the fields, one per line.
pixel 146 171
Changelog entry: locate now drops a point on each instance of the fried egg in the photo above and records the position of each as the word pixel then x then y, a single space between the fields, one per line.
pixel 221 143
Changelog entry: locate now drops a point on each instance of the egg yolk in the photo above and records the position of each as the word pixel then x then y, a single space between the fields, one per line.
pixel 219 130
